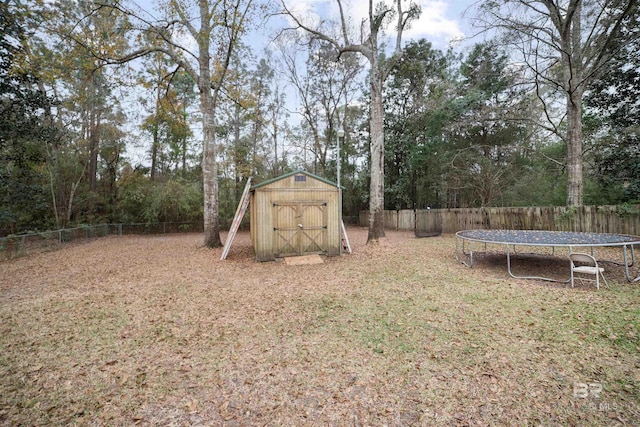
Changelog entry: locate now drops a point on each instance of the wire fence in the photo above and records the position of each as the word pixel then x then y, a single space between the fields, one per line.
pixel 24 244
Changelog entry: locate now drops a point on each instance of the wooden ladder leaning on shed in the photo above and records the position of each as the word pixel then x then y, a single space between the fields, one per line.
pixel 242 208
pixel 344 239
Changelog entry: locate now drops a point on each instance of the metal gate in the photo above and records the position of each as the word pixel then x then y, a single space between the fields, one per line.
pixel 300 227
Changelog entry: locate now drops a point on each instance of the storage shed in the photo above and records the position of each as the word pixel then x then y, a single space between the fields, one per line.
pixel 295 214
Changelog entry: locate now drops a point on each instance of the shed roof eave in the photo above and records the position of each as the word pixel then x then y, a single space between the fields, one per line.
pixel 287 175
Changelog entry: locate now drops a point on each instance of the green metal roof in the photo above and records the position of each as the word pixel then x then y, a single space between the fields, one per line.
pixel 287 175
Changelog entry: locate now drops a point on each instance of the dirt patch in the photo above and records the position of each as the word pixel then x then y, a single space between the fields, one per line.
pixel 159 331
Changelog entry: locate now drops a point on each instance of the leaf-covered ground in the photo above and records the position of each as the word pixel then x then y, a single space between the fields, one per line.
pixel 158 331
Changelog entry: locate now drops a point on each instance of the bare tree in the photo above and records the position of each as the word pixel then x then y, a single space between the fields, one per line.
pixel 323 86
pixel 369 46
pixel 566 45
pixel 199 37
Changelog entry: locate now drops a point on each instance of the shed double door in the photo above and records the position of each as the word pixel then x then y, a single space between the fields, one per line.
pixel 300 227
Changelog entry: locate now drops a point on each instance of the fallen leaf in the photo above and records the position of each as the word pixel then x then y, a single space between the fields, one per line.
pixel 123 380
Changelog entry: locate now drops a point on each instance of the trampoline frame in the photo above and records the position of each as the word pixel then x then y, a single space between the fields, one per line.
pixel 582 240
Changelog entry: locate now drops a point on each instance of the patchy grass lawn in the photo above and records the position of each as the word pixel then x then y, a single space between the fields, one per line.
pixel 158 331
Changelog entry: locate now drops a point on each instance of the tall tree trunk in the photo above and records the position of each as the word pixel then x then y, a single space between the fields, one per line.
pixel 369 48
pixel 184 157
pixel 209 171
pixel 54 199
pixel 57 193
pixel 376 189
pixel 154 144
pixel 585 56
pixel 94 142
pixel 209 164
pixel 183 143
pixel 208 107
pixel 572 58
pixel 94 145
pixel 575 185
pixel 74 187
pixel 274 135
pixel 238 160
pixel 154 152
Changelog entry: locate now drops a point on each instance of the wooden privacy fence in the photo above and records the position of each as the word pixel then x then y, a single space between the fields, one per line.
pixel 597 219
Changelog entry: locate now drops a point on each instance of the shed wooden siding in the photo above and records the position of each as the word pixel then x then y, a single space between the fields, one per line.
pixel 285 201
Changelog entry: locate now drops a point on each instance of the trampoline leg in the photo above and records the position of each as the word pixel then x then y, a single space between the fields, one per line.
pixel 627 265
pixel 547 279
pixel 463 250
pixel 459 258
pixel 633 260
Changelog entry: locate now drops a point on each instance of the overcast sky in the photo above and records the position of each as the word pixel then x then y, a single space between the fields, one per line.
pixel 441 21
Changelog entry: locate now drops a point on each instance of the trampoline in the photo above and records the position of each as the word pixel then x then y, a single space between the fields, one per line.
pixel 553 239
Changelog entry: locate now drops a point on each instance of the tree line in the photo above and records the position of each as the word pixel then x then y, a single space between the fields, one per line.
pixel 111 113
